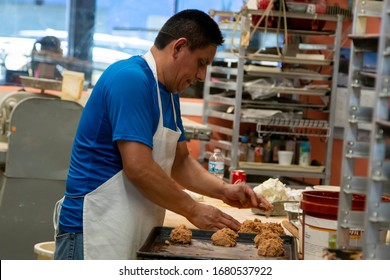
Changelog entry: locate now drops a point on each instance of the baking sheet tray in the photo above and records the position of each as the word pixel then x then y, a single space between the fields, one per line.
pixel 201 247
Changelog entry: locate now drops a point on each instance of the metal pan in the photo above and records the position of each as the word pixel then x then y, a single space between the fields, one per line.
pixel 201 247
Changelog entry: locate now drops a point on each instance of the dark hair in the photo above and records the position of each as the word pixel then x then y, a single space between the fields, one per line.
pixel 46 44
pixel 49 43
pixel 194 25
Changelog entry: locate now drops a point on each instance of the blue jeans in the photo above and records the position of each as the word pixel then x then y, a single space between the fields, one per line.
pixel 69 246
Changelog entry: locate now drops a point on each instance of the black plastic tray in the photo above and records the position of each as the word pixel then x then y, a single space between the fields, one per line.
pixel 201 247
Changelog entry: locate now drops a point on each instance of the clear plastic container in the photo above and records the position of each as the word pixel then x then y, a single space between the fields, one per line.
pixel 217 164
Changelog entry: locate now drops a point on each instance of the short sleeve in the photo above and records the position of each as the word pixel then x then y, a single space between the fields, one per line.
pixel 131 110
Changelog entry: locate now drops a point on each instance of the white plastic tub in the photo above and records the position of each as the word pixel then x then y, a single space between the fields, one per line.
pixel 45 250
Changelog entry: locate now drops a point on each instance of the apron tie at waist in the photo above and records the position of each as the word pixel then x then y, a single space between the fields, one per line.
pixel 56 216
pixel 57 210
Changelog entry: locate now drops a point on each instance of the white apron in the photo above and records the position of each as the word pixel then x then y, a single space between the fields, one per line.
pixel 117 218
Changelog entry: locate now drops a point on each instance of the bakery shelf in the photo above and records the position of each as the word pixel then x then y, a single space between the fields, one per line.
pixel 230 85
pixel 277 170
pixel 300 127
pixel 292 82
pixel 365 42
pixel 288 73
pixel 289 59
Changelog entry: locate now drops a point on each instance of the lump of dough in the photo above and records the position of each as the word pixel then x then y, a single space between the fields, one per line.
pixel 256 226
pixel 224 237
pixel 250 226
pixel 181 234
pixel 265 235
pixel 274 227
pixel 271 248
pixel 269 244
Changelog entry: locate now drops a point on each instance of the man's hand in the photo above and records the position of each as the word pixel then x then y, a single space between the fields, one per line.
pixel 208 217
pixel 243 196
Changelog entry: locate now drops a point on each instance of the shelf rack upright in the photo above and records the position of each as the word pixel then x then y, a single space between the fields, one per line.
pixel 366 136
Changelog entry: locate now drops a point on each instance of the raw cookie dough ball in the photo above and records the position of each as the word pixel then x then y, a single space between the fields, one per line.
pixel 256 226
pixel 250 226
pixel 265 235
pixel 224 237
pixel 181 234
pixel 269 244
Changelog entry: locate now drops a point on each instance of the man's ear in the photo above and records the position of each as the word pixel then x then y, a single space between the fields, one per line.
pixel 179 44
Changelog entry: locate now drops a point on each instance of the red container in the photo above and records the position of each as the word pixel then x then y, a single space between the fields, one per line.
pixel 309 7
pixel 238 176
pixel 271 20
pixel 319 223
pixel 324 204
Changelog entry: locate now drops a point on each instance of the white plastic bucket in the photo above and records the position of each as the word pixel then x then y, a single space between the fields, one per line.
pixel 45 250
pixel 319 225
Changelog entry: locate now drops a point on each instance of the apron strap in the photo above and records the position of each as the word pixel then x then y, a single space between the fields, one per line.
pixel 152 65
pixel 56 216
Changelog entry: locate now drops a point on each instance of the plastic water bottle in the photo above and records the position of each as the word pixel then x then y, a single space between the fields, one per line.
pixel 244 149
pixel 304 153
pixel 217 164
pixel 259 150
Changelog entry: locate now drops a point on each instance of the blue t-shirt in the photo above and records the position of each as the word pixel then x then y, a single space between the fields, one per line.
pixel 123 106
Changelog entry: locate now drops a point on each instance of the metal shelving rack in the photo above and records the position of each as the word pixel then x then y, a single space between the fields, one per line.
pixel 366 136
pixel 240 78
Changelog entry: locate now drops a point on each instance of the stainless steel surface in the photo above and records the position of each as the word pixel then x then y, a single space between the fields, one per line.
pixel 196 131
pixel 41 137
